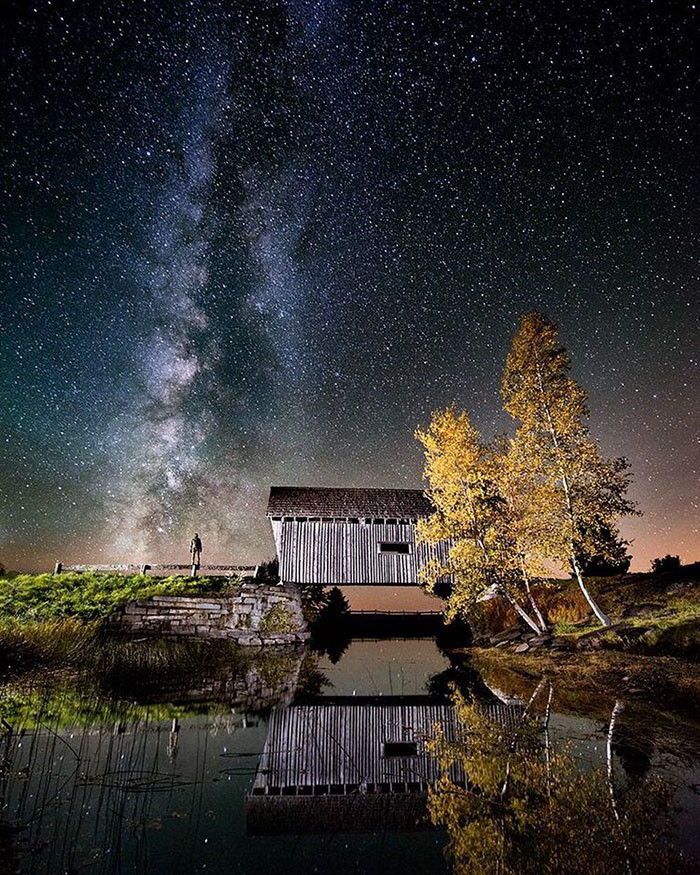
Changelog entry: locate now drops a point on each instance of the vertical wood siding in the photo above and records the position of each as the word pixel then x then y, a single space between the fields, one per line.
pixel 340 552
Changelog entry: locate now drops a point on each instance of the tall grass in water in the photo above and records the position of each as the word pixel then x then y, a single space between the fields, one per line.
pixel 54 618
pixel 28 641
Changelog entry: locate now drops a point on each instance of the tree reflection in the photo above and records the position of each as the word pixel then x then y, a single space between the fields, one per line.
pixel 531 806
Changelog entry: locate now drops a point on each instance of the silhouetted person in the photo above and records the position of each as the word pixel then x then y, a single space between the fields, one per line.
pixel 196 549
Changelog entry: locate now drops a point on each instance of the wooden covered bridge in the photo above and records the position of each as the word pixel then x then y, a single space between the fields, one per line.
pixel 349 537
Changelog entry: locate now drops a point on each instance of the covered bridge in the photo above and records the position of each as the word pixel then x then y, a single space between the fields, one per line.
pixel 349 537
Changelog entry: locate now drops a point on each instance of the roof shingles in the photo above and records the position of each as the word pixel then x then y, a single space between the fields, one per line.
pixel 335 502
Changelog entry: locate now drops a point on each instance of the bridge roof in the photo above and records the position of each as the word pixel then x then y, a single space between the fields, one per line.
pixel 340 502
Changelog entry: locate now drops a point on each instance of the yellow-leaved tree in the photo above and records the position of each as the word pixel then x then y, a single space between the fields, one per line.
pixel 526 516
pixel 471 517
pixel 529 805
pixel 574 492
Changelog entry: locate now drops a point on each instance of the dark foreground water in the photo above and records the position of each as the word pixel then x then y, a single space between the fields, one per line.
pixel 160 760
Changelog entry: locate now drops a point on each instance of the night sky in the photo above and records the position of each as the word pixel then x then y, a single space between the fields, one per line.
pixel 254 243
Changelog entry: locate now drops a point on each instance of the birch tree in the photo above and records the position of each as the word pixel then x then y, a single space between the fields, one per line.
pixel 469 518
pixel 530 806
pixel 575 489
pixel 525 517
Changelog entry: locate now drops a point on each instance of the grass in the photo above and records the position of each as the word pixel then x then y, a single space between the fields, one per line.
pixel 62 700
pixel 134 679
pixel 55 618
pixel 87 596
pixel 28 641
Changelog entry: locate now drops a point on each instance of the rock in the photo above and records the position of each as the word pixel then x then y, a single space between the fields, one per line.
pixel 539 640
pixel 508 634
pixel 502 643
pixel 522 648
pixel 633 632
pixel 561 643
pixel 643 608
pixel 599 638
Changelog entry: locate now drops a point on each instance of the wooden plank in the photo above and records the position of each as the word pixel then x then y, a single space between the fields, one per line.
pixel 341 553
pixel 123 567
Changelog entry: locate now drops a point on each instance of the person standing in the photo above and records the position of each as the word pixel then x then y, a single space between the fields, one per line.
pixel 196 550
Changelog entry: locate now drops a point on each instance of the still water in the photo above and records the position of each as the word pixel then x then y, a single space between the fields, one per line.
pixel 161 760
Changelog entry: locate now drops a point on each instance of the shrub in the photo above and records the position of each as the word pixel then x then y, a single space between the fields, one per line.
pixel 278 620
pixel 559 602
pixel 666 564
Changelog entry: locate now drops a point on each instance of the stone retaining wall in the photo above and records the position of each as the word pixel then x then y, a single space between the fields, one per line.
pixel 256 614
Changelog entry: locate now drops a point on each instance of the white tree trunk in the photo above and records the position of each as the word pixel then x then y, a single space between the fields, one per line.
pixel 521 612
pixel 611 781
pixel 535 607
pixel 547 741
pixel 600 614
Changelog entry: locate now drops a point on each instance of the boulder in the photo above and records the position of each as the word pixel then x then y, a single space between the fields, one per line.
pixel 522 648
pixel 631 633
pixel 643 608
pixel 538 640
pixel 508 634
pixel 561 643
pixel 598 638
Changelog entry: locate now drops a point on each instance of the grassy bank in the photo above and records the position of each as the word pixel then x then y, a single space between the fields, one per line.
pixel 88 596
pixel 55 618
pixel 652 614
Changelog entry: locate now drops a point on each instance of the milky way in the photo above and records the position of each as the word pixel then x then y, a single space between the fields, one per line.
pixel 255 243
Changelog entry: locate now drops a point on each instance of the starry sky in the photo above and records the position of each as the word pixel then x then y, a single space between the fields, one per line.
pixel 252 243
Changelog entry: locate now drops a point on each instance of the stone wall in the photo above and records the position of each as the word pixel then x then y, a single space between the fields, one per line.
pixel 255 614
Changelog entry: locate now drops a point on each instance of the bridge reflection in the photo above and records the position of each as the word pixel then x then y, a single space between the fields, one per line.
pixel 354 764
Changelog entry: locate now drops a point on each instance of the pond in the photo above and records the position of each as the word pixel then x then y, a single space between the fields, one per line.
pixel 161 759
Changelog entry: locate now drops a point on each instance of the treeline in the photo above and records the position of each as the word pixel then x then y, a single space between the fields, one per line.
pixel 544 496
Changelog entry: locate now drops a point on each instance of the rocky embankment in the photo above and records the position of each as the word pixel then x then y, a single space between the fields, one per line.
pixel 256 614
pixel 652 615
pixel 647 628
pixel 520 640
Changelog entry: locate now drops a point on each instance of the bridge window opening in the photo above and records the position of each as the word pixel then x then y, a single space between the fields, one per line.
pixel 400 749
pixel 391 522
pixel 395 547
pixel 379 522
pixel 354 520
